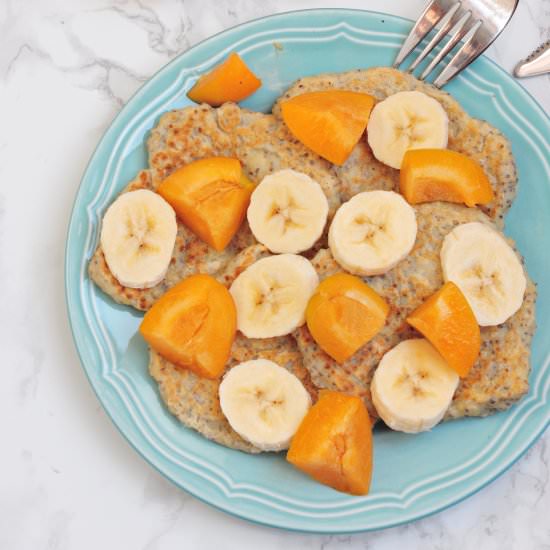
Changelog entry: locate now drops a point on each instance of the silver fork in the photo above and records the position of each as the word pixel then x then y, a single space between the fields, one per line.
pixel 474 22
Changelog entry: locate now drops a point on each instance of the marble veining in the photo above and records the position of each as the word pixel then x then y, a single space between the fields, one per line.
pixel 68 480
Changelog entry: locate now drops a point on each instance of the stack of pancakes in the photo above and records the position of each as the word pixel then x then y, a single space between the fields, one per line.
pixel 264 145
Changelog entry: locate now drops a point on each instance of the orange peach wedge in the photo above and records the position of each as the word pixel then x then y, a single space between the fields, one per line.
pixel 210 196
pixel 193 325
pixel 330 122
pixel 344 314
pixel 448 322
pixel 232 80
pixel 429 175
pixel 333 443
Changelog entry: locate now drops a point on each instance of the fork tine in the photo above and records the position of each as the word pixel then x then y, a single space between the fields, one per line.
pixel 446 23
pixel 456 34
pixel 462 58
pixel 428 19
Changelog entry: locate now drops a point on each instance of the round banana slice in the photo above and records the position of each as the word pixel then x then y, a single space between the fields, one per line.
pixel 264 403
pixel 413 386
pixel 137 237
pixel 372 232
pixel 406 120
pixel 485 267
pixel 288 211
pixel 272 294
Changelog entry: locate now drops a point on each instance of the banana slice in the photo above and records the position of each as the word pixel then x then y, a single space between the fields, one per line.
pixel 137 237
pixel 264 403
pixel 272 294
pixel 372 232
pixel 486 269
pixel 288 211
pixel 413 386
pixel 406 120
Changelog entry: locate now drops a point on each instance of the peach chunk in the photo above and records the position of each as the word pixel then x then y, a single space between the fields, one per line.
pixel 329 122
pixel 344 314
pixel 193 325
pixel 429 175
pixel 448 322
pixel 333 443
pixel 210 196
pixel 232 80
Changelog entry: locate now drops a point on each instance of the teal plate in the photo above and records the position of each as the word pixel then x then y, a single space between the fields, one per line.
pixel 414 475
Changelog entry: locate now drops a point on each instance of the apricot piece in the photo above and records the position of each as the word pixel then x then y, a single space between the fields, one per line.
pixel 210 196
pixel 330 123
pixel 448 322
pixel 344 314
pixel 429 175
pixel 193 325
pixel 232 80
pixel 333 443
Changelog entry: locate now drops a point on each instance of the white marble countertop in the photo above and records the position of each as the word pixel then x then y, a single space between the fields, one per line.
pixel 67 478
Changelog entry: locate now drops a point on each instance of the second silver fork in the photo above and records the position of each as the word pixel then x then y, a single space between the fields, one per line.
pixel 474 22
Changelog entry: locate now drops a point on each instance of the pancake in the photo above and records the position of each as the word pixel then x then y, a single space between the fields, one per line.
pixel 473 137
pixel 499 378
pixel 262 144
pixel 194 400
